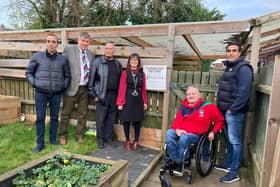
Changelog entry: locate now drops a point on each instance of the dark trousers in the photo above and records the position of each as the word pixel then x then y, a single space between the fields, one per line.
pixel 69 102
pixel 105 117
pixel 41 101
pixel 126 128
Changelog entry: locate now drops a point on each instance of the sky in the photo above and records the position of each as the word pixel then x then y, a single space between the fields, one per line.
pixel 234 9
pixel 243 9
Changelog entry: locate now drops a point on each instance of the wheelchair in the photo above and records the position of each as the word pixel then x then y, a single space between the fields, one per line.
pixel 204 154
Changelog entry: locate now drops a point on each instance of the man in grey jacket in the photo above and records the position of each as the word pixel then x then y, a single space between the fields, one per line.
pixel 79 58
pixel 48 72
pixel 103 87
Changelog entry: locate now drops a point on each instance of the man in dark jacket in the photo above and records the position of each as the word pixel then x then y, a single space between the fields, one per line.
pixel 233 101
pixel 48 72
pixel 103 87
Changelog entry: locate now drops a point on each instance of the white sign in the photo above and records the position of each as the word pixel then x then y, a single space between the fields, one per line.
pixel 155 77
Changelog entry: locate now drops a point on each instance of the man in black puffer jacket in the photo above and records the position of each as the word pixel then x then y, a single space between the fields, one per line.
pixel 49 73
pixel 233 101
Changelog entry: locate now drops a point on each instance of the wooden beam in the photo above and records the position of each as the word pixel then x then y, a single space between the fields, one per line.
pixel 213 27
pixel 169 60
pixel 254 57
pixel 7 64
pixel 265 89
pixel 271 132
pixel 138 41
pixel 192 44
pixel 267 18
pixel 271 32
pixel 5 72
pixel 132 31
pixel 98 50
pixel 13 63
pixel 194 57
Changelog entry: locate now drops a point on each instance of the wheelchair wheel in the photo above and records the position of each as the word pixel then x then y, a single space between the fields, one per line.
pixel 205 156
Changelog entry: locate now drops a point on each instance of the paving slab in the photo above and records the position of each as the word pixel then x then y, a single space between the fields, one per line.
pixel 138 160
pixel 211 180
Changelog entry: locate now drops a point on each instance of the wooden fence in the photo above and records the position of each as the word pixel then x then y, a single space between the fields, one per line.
pixel 206 81
pixel 265 147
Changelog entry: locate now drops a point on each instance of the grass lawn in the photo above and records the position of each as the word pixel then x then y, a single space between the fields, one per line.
pixel 18 139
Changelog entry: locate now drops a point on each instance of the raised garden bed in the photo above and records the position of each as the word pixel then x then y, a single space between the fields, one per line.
pixel 115 176
pixel 9 109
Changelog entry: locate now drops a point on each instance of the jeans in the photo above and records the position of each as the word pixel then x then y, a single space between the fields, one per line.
pixel 176 145
pixel 233 132
pixel 41 101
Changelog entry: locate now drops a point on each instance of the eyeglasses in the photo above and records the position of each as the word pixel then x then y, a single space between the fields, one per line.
pixel 51 41
pixel 231 50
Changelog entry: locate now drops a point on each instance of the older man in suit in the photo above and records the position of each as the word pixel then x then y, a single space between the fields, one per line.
pixel 79 58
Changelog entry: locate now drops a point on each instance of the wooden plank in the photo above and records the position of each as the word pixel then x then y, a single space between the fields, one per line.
pixel 194 57
pixel 189 77
pixel 267 18
pixel 13 63
pixel 149 137
pixel 192 44
pixel 213 27
pixel 12 72
pixel 138 41
pixel 133 30
pixel 169 62
pixel 270 32
pixel 64 40
pixel 172 101
pixel 254 57
pixel 147 172
pixel 275 174
pixel 265 89
pixel 205 82
pixel 98 50
pixel 271 127
pixel 197 77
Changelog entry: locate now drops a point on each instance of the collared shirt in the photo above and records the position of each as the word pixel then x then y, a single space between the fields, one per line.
pixel 82 82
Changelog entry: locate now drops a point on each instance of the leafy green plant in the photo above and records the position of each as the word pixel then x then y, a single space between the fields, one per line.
pixel 19 138
pixel 62 171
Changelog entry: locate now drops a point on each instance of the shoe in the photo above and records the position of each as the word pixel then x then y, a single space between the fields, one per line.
pixel 101 145
pixel 221 167
pixel 63 141
pixel 127 146
pixel 230 177
pixel 37 149
pixel 135 145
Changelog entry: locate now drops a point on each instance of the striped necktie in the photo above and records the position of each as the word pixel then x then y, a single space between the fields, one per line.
pixel 85 67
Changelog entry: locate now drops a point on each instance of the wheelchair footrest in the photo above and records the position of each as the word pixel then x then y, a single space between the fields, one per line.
pixel 178 173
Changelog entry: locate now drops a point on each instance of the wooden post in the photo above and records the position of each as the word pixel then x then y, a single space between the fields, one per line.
pixel 169 62
pixel 254 56
pixel 64 39
pixel 271 127
pixel 249 122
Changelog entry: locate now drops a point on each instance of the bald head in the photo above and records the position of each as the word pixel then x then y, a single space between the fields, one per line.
pixel 192 95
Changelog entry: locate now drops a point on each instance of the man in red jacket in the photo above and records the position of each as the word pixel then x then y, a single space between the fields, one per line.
pixel 193 119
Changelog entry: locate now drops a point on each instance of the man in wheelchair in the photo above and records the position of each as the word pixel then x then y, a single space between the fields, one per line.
pixel 193 119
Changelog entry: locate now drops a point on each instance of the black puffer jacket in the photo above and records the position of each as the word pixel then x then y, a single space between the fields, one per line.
pixel 48 73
